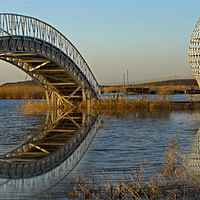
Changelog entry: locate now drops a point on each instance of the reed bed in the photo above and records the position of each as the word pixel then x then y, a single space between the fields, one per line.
pixel 173 181
pixel 171 87
pixel 34 108
pixel 121 106
pixel 22 92
pixel 163 90
pixel 112 89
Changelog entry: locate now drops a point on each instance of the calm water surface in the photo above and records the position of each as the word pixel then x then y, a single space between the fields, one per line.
pixel 134 139
pixel 121 144
pixel 175 97
pixel 15 128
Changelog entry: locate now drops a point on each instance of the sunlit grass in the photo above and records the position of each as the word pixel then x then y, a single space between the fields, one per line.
pixel 34 107
pixel 121 106
pixel 22 92
pixel 162 90
pixel 173 181
pixel 112 89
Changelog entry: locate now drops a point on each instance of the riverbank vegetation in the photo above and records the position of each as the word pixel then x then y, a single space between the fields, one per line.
pixel 34 108
pixel 141 106
pixel 37 92
pixel 22 92
pixel 31 90
pixel 173 181
pixel 163 86
pixel 162 90
pixel 117 106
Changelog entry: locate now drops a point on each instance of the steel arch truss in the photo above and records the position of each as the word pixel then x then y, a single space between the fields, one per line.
pixel 55 71
pixel 45 54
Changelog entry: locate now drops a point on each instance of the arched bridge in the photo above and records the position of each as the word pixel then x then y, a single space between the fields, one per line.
pixel 51 59
pixel 65 137
pixel 48 56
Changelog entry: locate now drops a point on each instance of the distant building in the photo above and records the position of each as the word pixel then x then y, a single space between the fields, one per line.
pixel 194 52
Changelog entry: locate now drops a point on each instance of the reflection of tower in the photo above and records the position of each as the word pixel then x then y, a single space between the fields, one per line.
pixel 194 52
pixel 194 157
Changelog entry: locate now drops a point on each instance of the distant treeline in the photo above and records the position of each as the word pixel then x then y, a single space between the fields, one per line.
pixel 22 92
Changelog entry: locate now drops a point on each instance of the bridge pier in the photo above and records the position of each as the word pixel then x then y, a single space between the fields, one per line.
pixel 88 97
pixel 56 101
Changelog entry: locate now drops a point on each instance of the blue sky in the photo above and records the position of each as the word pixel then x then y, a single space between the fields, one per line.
pixel 150 38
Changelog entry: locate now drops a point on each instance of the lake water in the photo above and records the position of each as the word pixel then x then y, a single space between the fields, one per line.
pixel 176 97
pixel 121 144
pixel 15 128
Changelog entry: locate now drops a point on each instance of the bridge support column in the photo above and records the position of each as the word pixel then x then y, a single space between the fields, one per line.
pixel 47 97
pixel 84 95
pixel 89 110
pixel 54 100
pixel 88 101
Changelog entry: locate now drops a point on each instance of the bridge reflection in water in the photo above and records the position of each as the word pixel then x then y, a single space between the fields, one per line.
pixel 47 56
pixel 48 156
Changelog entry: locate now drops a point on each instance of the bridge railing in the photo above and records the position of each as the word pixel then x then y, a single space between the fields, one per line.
pixel 13 24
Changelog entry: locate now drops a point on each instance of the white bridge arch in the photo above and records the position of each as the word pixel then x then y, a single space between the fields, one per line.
pixel 48 56
pixel 51 59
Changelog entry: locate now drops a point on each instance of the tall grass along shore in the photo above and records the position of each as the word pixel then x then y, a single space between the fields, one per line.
pixel 173 181
pixel 34 108
pixel 22 92
pixel 121 106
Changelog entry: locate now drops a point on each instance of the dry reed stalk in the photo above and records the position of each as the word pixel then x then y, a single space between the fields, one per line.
pixel 120 107
pixel 34 108
pixel 23 92
pixel 171 87
pixel 164 90
pixel 173 182
pixel 112 89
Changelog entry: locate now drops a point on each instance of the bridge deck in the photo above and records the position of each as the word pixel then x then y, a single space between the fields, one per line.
pixel 54 74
